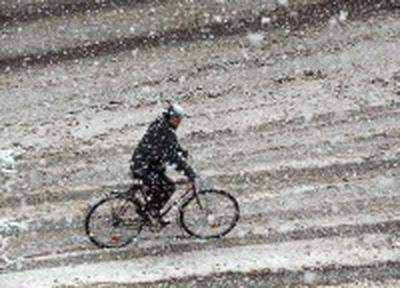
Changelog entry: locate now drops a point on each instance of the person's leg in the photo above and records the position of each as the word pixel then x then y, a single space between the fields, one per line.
pixel 151 182
pixel 160 190
pixel 166 191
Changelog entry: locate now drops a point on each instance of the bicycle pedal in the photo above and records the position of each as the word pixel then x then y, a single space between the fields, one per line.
pixel 163 222
pixel 157 226
pixel 115 239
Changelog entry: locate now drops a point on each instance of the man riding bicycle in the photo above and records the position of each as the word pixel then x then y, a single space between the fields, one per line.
pixel 204 212
pixel 159 147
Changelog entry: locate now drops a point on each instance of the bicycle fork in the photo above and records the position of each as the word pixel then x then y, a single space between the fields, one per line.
pixel 210 217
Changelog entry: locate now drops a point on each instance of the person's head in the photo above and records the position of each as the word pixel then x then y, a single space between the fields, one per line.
pixel 174 115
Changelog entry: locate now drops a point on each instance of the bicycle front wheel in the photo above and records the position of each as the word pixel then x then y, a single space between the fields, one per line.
pixel 113 222
pixel 213 216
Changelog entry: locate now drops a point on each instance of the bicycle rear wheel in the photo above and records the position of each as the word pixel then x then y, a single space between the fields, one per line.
pixel 113 222
pixel 216 215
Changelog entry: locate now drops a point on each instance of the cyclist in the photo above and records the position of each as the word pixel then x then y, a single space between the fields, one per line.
pixel 159 147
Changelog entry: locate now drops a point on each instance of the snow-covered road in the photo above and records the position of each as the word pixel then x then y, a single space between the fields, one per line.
pixel 292 256
pixel 300 125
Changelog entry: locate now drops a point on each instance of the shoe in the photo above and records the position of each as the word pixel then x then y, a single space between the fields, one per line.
pixel 163 222
pixel 155 215
pixel 157 224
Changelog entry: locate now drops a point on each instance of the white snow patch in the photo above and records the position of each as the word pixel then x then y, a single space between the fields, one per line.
pixel 134 52
pixel 7 161
pixel 260 230
pixel 342 17
pixel 333 21
pixel 329 222
pixel 256 39
pixel 308 114
pixel 386 182
pixel 310 277
pixel 265 20
pixel 5 260
pixel 8 225
pixel 255 167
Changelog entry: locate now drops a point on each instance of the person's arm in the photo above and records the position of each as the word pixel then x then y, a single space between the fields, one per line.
pixel 181 151
pixel 174 157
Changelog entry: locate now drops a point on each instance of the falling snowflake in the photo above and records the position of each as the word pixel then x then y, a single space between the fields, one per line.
pixel 343 15
pixel 265 20
pixel 283 2
pixel 333 21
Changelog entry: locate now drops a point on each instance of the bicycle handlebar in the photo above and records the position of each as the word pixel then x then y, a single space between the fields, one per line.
pixel 182 181
pixel 185 181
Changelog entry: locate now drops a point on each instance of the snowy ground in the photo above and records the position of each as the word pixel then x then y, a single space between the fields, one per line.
pixel 301 126
pixel 369 248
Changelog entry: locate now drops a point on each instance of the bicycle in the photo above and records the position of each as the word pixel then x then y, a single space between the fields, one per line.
pixel 121 216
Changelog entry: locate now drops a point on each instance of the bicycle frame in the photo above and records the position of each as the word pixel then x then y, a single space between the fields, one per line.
pixel 182 198
pixel 176 202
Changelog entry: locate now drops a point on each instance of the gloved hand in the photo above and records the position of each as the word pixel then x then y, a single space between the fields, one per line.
pixel 184 153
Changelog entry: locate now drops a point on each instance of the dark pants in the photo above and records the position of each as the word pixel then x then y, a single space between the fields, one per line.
pixel 161 188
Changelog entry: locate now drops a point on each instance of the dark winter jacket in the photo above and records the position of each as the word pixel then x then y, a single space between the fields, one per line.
pixel 158 147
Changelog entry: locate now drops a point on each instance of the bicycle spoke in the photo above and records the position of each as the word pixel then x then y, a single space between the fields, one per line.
pixel 113 222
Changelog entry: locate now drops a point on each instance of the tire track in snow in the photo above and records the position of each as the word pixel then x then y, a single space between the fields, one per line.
pixel 331 127
pixel 340 253
pixel 244 20
pixel 355 214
